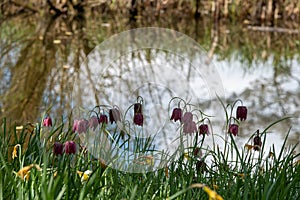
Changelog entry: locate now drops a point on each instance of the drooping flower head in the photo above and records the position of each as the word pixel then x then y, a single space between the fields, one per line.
pixel 189 127
pixel 241 113
pixel 257 142
pixel 176 114
pixel 47 122
pixel 197 152
pixel 70 147
pixel 138 119
pixel 114 115
pixel 201 166
pixel 187 117
pixel 203 129
pixel 80 125
pixel 137 107
pixel 58 148
pixel 103 119
pixel 233 129
pixel 93 122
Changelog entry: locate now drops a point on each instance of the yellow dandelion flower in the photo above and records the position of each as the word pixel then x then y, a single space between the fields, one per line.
pixel 248 146
pixel 186 156
pixel 215 187
pixel 84 175
pixel 145 160
pixel 149 160
pixel 55 174
pixel 15 151
pixel 212 195
pixel 24 172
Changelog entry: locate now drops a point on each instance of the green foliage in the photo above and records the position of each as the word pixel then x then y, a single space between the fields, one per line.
pixel 234 172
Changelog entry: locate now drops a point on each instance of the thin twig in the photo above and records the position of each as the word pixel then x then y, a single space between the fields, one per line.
pixel 273 29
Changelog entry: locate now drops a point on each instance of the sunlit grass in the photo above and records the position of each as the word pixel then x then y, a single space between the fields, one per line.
pixel 33 171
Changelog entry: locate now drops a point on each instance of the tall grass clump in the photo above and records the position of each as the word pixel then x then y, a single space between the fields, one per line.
pixel 55 160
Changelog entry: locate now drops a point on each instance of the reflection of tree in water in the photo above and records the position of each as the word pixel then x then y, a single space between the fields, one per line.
pixel 42 71
pixel 39 67
pixel 271 99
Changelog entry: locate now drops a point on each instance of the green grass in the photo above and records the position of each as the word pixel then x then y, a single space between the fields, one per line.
pixel 242 176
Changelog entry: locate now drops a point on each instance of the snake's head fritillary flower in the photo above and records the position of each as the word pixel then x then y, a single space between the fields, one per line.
pixel 93 122
pixel 176 114
pixel 257 143
pixel 203 129
pixel 197 152
pixel 137 107
pixel 241 113
pixel 58 148
pixel 233 129
pixel 187 117
pixel 114 115
pixel 80 125
pixel 70 147
pixel 47 122
pixel 189 127
pixel 103 119
pixel 138 119
pixel 201 166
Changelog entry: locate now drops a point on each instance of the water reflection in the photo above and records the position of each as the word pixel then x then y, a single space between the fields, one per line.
pixel 41 59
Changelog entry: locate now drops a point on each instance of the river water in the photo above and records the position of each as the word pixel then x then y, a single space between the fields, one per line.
pixel 49 65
